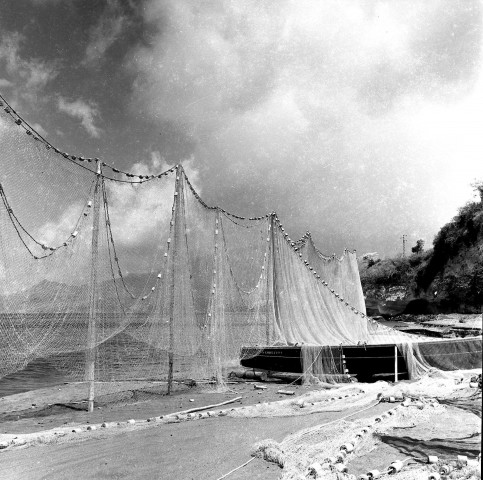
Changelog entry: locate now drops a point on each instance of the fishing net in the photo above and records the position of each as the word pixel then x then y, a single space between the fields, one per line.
pixel 357 442
pixel 322 363
pixel 342 273
pixel 113 276
pixel 321 444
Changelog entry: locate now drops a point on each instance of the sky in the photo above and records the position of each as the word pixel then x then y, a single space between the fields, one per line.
pixel 359 121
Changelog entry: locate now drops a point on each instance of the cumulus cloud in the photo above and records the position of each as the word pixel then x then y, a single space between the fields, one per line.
pixel 105 32
pixel 310 108
pixel 54 233
pixel 86 112
pixel 344 117
pixel 140 214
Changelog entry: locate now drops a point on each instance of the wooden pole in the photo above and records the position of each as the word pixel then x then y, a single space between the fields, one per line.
pixel 91 329
pixel 173 253
pixel 217 337
pixel 206 407
pixel 274 270
pixel 395 364
pixel 267 269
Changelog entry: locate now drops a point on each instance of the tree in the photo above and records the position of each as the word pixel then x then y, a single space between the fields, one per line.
pixel 478 188
pixel 419 247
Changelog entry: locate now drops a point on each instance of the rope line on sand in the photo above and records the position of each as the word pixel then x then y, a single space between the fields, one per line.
pixel 352 414
pixel 235 469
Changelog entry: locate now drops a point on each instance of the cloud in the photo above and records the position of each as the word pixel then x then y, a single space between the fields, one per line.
pixel 86 112
pixel 46 2
pixel 39 129
pixel 311 108
pixel 54 233
pixel 32 74
pixel 105 33
pixel 139 214
pixel 5 83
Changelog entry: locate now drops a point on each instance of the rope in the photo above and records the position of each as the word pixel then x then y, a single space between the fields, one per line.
pixel 111 241
pixel 235 469
pixel 229 263
pixel 20 121
pixel 349 415
pixel 323 425
pixel 18 225
pixel 352 414
pixel 72 158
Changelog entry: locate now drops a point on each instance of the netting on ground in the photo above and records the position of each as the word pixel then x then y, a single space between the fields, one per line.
pixel 114 276
pixel 324 450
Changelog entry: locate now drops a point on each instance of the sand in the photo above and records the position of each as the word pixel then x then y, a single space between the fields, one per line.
pixel 40 447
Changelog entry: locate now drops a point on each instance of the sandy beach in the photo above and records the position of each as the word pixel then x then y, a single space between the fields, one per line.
pixel 43 438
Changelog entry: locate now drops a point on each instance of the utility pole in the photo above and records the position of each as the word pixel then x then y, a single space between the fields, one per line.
pixel 404 244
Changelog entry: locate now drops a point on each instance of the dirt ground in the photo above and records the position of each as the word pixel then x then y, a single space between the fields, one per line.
pixel 44 409
pixel 204 449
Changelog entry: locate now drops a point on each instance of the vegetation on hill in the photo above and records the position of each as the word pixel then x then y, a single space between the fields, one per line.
pixel 450 274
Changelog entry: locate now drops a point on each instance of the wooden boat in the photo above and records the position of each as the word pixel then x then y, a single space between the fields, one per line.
pixel 369 363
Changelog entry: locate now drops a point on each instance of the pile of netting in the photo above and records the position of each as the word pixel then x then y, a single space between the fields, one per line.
pixel 409 439
pixel 114 276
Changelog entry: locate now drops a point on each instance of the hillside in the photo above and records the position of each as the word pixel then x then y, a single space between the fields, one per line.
pixel 447 278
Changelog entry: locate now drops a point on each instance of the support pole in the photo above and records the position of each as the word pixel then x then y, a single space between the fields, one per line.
pixel 267 270
pixel 178 193
pixel 91 329
pixel 217 334
pixel 274 269
pixel 395 363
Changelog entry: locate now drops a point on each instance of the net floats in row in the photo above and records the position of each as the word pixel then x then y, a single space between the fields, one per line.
pixel 444 470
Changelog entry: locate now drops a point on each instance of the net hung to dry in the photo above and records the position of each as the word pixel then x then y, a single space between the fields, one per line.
pixel 113 276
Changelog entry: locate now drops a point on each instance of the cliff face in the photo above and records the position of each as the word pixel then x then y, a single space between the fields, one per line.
pixel 453 274
pixel 448 278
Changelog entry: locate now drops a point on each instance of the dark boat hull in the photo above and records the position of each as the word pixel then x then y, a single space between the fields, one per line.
pixel 368 363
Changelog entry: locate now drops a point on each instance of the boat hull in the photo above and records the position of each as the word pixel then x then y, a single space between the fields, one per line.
pixel 369 363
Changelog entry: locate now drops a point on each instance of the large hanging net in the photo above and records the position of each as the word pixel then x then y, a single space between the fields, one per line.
pixel 342 273
pixel 110 276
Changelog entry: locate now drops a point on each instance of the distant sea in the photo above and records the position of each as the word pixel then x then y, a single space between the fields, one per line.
pixel 42 374
pixel 38 374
